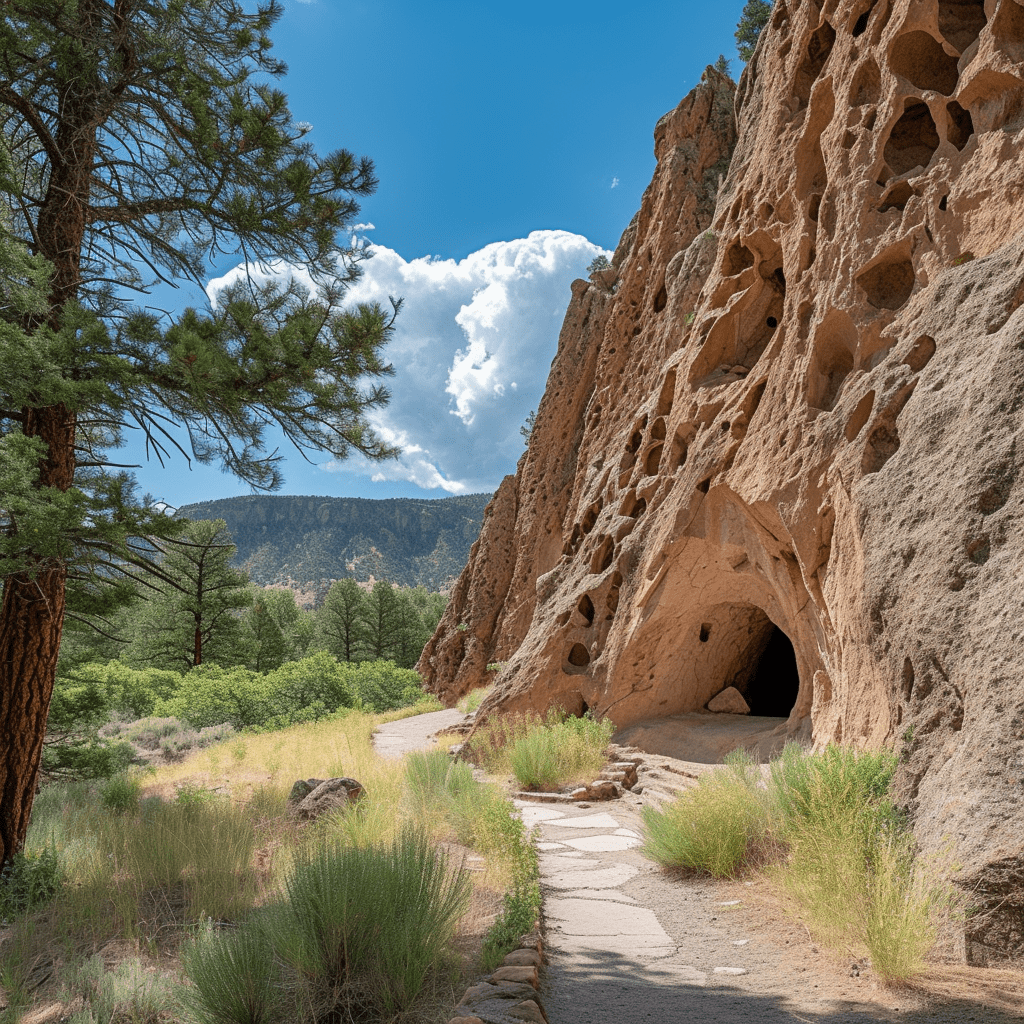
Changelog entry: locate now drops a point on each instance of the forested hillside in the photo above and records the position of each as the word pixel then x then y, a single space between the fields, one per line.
pixel 310 540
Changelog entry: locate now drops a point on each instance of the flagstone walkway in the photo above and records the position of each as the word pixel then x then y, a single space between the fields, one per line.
pixel 628 943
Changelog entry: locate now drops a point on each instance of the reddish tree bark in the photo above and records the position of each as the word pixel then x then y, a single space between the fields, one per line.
pixel 31 618
pixel 32 612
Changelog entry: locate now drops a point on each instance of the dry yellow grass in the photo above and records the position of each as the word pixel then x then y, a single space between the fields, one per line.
pixel 256 773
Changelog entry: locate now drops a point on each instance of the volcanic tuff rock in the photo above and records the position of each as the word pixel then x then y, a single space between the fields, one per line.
pixel 792 409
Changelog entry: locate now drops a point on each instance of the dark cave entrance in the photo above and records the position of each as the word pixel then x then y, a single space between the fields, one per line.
pixel 743 647
pixel 775 683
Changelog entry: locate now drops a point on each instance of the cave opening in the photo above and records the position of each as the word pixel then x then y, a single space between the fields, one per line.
pixel 739 645
pixel 775 682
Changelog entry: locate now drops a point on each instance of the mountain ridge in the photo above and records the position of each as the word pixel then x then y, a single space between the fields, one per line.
pixel 307 541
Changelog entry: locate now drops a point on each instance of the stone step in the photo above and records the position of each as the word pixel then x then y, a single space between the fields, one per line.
pixel 543 798
pixel 657 797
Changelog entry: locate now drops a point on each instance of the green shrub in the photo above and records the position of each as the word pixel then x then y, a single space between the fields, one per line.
pixel 211 695
pixel 318 685
pixel 85 758
pixel 28 880
pixel 121 794
pixel 235 978
pixel 375 920
pixel 499 831
pixel 519 909
pixel 719 827
pixel 128 691
pixel 383 686
pixel 75 747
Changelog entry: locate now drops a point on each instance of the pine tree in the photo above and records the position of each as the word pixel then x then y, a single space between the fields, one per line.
pixel 265 642
pixel 194 617
pixel 276 629
pixel 412 633
pixel 382 621
pixel 340 622
pixel 146 138
pixel 753 19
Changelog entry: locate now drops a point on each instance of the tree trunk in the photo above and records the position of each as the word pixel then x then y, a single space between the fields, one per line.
pixel 32 612
pixel 31 618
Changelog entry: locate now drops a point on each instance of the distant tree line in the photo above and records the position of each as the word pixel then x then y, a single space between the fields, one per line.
pixel 196 608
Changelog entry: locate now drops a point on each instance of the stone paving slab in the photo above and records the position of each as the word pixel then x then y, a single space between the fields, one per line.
pixel 610 877
pixel 607 918
pixel 601 820
pixel 603 844
pixel 534 813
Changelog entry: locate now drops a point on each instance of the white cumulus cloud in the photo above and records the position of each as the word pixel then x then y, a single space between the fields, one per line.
pixel 471 351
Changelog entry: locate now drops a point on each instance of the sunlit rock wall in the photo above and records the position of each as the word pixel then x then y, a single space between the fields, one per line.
pixel 794 407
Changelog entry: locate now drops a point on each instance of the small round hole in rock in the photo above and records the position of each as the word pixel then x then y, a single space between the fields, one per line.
pixel 579 656
pixel 772 322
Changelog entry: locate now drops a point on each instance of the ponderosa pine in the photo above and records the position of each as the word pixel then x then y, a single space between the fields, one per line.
pixel 143 138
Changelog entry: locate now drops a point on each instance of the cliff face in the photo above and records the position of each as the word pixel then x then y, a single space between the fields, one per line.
pixel 791 414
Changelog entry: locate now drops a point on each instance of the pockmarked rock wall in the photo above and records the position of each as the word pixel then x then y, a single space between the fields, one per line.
pixel 792 413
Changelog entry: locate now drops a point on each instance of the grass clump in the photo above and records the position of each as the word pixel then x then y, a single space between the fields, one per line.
pixel 357 935
pixel 375 920
pixel 235 978
pixel 560 752
pixel 127 993
pixel 121 793
pixel 544 754
pixel 191 860
pixel 715 827
pixel 841 851
pixel 851 864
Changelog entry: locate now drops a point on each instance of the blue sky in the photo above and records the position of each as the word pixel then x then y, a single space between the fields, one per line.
pixel 512 143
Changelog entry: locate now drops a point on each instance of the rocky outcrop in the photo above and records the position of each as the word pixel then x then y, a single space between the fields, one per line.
pixel 781 441
pixel 310 798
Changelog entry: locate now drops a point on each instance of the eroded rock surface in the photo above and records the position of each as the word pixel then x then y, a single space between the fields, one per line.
pixel 781 441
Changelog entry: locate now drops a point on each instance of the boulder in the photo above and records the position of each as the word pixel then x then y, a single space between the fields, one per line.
pixel 301 788
pixel 326 795
pixel 729 702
